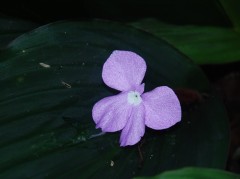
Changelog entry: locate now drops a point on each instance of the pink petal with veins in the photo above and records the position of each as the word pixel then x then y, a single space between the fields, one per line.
pixel 123 70
pixel 162 108
pixel 135 127
pixel 112 113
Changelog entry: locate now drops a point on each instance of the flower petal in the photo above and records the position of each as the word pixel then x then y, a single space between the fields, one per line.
pixel 111 113
pixel 162 107
pixel 135 127
pixel 123 70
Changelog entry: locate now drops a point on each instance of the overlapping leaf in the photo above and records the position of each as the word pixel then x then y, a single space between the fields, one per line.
pixel 203 44
pixel 196 173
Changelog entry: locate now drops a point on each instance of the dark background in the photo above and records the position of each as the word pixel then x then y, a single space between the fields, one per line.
pixel 203 12
pixel 225 78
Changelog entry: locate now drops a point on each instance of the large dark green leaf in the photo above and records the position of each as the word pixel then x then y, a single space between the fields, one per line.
pixel 46 126
pixel 195 173
pixel 203 44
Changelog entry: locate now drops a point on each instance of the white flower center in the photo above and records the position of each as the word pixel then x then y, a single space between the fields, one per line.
pixel 134 98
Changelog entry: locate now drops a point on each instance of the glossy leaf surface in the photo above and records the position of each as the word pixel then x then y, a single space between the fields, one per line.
pixel 51 78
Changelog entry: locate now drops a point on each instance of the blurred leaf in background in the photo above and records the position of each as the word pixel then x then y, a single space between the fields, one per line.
pixel 203 44
pixel 195 173
pixel 232 9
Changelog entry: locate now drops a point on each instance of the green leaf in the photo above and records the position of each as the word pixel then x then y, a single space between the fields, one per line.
pixel 51 78
pixel 195 173
pixel 12 28
pixel 232 9
pixel 203 44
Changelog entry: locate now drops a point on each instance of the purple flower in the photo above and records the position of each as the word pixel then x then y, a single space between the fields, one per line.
pixel 132 109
